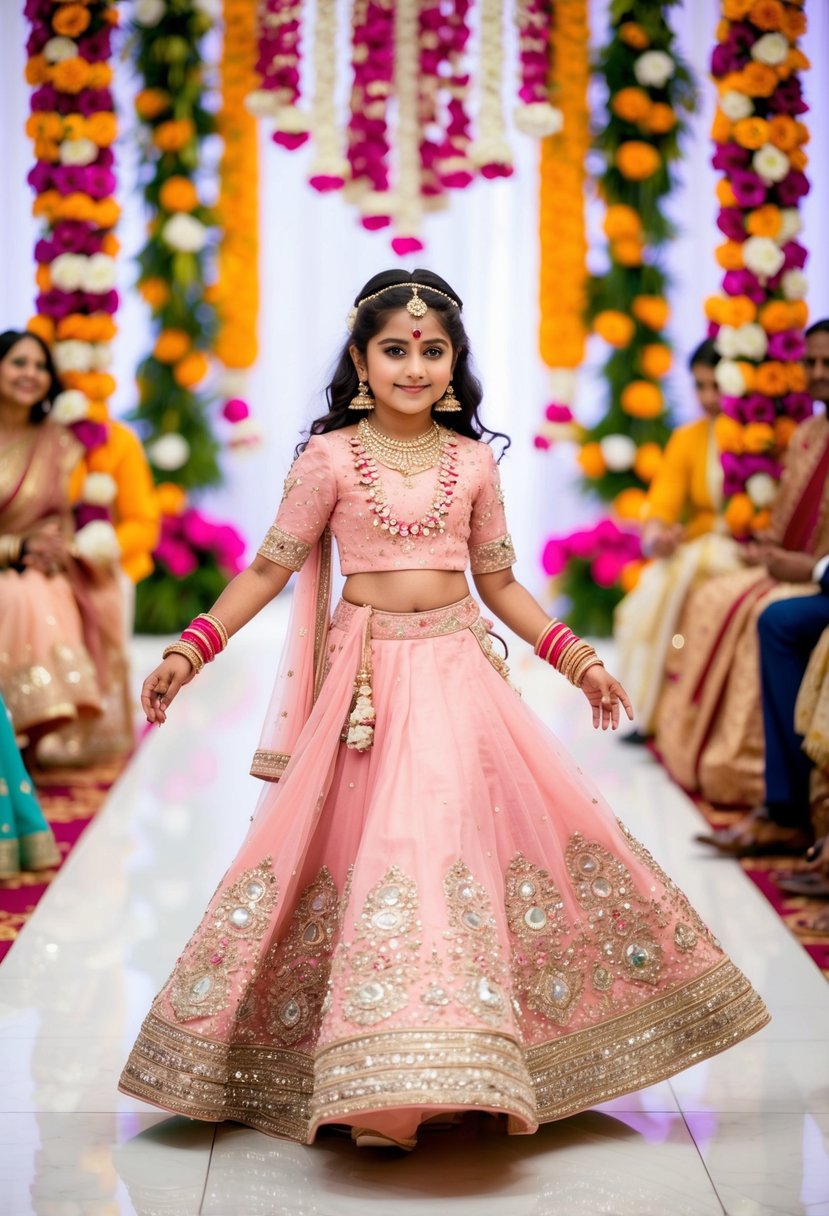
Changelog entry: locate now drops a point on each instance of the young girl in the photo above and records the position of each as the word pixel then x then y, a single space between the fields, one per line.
pixel 433 911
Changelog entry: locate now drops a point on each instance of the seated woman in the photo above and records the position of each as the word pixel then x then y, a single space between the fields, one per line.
pixel 683 534
pixel 61 629
pixel 709 721
pixel 26 840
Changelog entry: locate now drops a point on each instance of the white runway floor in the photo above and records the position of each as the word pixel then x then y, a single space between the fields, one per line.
pixel 746 1133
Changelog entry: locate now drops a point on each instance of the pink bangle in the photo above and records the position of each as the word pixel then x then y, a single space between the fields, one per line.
pixel 561 645
pixel 210 631
pixel 549 638
pixel 196 639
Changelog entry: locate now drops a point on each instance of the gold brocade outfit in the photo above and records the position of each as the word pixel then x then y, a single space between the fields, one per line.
pixel 688 490
pixel 62 660
pixel 709 720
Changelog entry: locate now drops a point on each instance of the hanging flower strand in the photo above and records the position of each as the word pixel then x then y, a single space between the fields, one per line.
pixel 453 164
pixel 408 202
pixel 535 115
pixel 329 169
pixel 367 134
pixel 491 151
pixel 433 54
pixel 277 66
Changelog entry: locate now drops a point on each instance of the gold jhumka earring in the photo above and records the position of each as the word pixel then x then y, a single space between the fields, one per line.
pixel 448 403
pixel 363 400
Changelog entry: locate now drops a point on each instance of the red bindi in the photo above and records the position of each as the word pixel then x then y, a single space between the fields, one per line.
pixel 416 333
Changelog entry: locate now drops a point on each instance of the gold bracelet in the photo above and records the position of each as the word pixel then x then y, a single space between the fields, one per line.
pixel 569 656
pixel 576 658
pixel 187 651
pixel 590 661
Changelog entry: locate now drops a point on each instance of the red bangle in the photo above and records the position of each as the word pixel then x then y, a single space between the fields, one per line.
pixel 195 639
pixel 549 639
pixel 210 631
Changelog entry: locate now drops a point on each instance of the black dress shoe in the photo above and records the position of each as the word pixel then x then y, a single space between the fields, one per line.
pixel 810 886
pixel 635 736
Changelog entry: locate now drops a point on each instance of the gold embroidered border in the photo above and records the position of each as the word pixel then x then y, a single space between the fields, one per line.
pixel 492 555
pixel 646 1045
pixel 286 1093
pixel 283 549
pixel 471 1069
pixel 269 765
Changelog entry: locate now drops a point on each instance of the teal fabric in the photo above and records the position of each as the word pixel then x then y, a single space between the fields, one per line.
pixel 20 813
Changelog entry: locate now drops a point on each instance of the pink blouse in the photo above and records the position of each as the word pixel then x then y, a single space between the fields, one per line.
pixel 323 487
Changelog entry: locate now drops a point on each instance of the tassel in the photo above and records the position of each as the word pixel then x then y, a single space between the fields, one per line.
pixel 363 717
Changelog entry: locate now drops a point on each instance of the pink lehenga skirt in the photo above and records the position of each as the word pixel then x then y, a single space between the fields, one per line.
pixel 449 920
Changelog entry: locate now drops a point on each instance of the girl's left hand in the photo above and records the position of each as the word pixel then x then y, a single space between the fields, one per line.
pixel 605 695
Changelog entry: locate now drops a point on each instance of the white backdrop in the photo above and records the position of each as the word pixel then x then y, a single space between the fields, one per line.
pixel 315 257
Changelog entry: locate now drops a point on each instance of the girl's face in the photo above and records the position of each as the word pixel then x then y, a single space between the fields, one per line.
pixel 24 376
pixel 408 363
pixel 706 388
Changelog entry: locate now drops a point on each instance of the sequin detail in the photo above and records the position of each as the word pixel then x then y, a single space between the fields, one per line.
pixel 546 974
pixel 695 929
pixel 300 964
pixel 474 950
pixel 225 943
pixel 492 555
pixel 283 549
pixel 268 765
pixel 383 959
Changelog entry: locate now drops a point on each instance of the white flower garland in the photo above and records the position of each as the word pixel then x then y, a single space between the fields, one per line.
pixel 408 206
pixel 491 147
pixel 329 161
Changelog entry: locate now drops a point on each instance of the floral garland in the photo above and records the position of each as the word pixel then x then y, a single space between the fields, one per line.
pixel 759 318
pixel 277 66
pixel 537 32
pixel 562 234
pixel 166 47
pixel 236 292
pixel 73 127
pixel 491 151
pixel 648 85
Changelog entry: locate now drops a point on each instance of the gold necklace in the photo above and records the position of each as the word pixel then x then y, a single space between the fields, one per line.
pixel 407 456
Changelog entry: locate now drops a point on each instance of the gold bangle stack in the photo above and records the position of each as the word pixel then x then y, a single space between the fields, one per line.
pixel 218 625
pixel 576 660
pixel 188 651
pixel 11 548
pixel 540 639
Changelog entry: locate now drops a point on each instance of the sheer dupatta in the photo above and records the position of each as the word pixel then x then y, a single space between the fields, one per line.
pixel 302 667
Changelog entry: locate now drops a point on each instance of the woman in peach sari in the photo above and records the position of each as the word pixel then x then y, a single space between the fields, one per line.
pixel 61 631
pixel 433 910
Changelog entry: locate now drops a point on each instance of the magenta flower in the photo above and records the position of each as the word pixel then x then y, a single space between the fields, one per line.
pixel 324 183
pixel 197 529
pixel 38 38
pixel 798 406
pixel 606 568
pixel 45 252
pixel 373 223
pixel 108 302
pixel 44 98
pixel 291 139
pixel 95 48
pixel 792 188
pixel 581 543
pixel 85 513
pixel 724 60
pixel 90 434
pixel 92 101
pixel 789 346
pixel 728 157
pixel 731 223
pixel 404 245
pixel 795 255
pixel 74 236
pixel 749 189
pixel 495 169
pixel 558 413
pixel 58 304
pixel 787 98
pixel 757 407
pixel 178 559
pixel 235 409
pixel 542 443
pixel 40 177
pixel 732 407
pixel 744 283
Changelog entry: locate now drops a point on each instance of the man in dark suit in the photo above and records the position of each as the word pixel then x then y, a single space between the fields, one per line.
pixel 788 632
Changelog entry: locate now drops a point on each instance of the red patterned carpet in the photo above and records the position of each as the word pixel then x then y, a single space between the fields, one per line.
pixel 70 799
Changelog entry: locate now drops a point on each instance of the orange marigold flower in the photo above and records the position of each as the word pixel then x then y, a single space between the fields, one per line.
pixel 43 278
pixel 94 384
pixel 633 35
pixel 775 317
pixel 100 75
pixel 47 149
pixel 107 213
pixel 628 251
pixel 629 504
pixel 728 434
pixel 765 221
pixel 37 70
pixel 621 221
pixel 641 399
pixel 722 30
pixel 758 80
pixel 110 244
pixel 616 328
pixel 660 119
pixel 171 345
pixel 97 412
pixel 630 575
pixel 751 132
pixel 725 193
pixel 758 437
pixel 797 61
pixel 47 204
pixel 178 194
pixel 150 103
pixel 784 428
pixel 771 379
pixel 44 126
pixel 591 460
pixel 101 327
pixel 154 292
pixel 648 461
pixel 794 23
pixel 799 313
pixel 761 521
pixel 803 132
pixel 102 128
pixel 637 160
pixel 735 10
pixel 71 75
pixel 783 132
pixel 655 360
pixel 73 326
pixel 173 135
pixel 74 126
pixel 767 14
pixel 653 311
pixel 739 514
pixel 713 309
pixel 171 499
pixel 795 377
pixel 721 128
pixel 70 20
pixel 730 255
pixel 191 370
pixel 44 327
pixel 737 310
pixel 630 104
pixel 798 159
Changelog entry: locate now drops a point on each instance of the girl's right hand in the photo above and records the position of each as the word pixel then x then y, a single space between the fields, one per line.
pixel 162 685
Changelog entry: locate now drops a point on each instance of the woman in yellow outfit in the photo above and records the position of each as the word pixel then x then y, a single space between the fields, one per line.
pixel 683 535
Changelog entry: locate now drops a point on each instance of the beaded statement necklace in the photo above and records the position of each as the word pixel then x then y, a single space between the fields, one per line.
pixel 385 516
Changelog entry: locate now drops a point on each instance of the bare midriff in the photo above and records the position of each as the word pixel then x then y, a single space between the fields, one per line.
pixel 406 590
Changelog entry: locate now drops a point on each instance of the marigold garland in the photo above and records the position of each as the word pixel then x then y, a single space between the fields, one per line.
pixel 648 87
pixel 73 126
pixel 193 560
pixel 759 318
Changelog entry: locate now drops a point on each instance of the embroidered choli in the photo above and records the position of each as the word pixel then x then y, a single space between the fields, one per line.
pixel 323 487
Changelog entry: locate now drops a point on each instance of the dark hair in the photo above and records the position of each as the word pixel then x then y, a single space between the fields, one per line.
pixel 819 327
pixel 370 320
pixel 706 354
pixel 9 339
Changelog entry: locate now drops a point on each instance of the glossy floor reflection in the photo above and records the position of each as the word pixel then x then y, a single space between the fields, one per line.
pixel 746 1133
